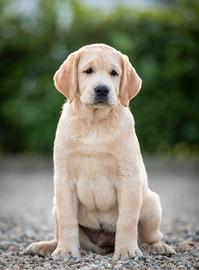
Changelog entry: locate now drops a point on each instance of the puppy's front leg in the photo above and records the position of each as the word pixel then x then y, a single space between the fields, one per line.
pixel 66 215
pixel 129 204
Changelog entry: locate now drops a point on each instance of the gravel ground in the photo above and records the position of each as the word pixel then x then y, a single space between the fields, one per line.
pixel 25 216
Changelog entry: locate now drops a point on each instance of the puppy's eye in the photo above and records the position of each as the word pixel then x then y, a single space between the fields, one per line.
pixel 88 71
pixel 114 73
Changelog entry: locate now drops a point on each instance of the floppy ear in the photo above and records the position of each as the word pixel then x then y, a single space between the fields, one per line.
pixel 131 82
pixel 65 78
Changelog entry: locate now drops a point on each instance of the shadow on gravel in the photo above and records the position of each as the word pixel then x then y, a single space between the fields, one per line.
pixel 26 189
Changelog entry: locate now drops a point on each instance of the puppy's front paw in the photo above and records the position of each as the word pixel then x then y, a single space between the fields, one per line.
pixel 66 252
pixel 125 253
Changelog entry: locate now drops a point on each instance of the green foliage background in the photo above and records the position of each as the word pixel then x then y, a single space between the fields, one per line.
pixel 163 45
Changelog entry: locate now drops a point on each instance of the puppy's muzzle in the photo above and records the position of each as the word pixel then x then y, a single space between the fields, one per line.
pixel 101 94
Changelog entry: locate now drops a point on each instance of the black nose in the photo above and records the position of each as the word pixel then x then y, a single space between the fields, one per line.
pixel 101 91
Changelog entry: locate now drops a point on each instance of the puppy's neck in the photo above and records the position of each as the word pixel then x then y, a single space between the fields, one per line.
pixel 89 113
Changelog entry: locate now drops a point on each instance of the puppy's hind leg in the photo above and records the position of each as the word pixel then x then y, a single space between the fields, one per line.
pixel 44 248
pixel 86 243
pixel 149 225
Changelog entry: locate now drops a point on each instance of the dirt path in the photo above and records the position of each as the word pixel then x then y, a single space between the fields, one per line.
pixel 25 215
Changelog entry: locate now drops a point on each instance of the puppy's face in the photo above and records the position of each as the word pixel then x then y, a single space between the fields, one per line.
pixel 100 75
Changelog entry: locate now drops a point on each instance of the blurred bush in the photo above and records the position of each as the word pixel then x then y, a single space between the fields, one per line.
pixel 161 44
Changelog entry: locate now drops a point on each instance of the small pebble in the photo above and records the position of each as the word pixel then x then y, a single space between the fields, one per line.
pixel 118 266
pixel 196 265
pixel 39 268
pixel 181 267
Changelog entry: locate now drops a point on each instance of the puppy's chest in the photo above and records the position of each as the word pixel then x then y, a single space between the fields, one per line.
pixel 94 176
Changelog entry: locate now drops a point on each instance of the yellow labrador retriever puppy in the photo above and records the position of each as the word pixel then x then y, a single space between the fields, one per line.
pixel 102 200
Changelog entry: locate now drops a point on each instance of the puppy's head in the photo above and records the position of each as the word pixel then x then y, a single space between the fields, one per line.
pixel 100 75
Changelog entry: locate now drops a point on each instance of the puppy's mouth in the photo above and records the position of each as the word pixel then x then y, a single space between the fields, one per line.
pixel 102 101
pixel 101 104
pixel 97 102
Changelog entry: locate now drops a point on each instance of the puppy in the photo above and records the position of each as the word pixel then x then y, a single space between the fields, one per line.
pixel 102 201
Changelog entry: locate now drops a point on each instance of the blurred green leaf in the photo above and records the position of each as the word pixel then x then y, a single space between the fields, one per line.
pixel 161 44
